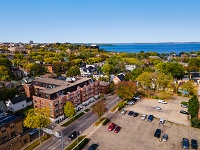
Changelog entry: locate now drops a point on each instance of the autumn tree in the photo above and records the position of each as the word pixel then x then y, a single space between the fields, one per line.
pixel 73 71
pixel 189 87
pixel 125 89
pixel 99 108
pixel 4 73
pixel 69 110
pixel 37 118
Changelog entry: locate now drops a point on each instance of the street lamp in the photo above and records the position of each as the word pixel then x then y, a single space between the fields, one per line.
pixel 61 135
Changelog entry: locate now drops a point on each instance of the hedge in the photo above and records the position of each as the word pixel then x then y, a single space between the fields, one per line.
pixel 82 144
pixel 73 119
pixel 184 103
pixel 87 110
pixel 105 121
pixel 74 144
pixel 99 121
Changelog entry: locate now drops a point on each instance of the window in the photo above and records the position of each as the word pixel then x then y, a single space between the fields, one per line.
pixel 12 126
pixel 35 101
pixel 4 137
pixel 4 130
pixel 22 105
pixel 50 105
pixel 35 106
pixel 47 96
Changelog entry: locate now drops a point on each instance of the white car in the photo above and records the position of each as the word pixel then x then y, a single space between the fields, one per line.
pixel 162 101
pixel 123 111
pixel 162 121
pixel 144 117
pixel 131 102
pixel 157 108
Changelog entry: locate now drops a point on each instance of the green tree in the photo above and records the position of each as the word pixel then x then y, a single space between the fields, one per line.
pixel 37 118
pixel 69 110
pixel 36 69
pixel 126 90
pixel 4 73
pixel 6 94
pixel 106 68
pixel 193 106
pixel 73 71
pixel 99 108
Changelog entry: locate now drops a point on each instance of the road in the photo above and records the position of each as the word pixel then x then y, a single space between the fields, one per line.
pixel 80 124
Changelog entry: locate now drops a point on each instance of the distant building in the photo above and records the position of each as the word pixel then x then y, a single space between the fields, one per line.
pixel 130 67
pixel 11 132
pixel 104 87
pixel 118 78
pixel 30 42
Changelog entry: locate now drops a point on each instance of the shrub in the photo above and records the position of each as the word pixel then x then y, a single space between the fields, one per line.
pixel 73 119
pixel 155 97
pixel 184 103
pixel 82 144
pixel 74 144
pixel 195 122
pixel 32 146
pixel 99 121
pixel 105 121
pixel 45 137
pixel 87 110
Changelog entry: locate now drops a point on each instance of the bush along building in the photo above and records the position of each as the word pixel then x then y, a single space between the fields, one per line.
pixel 54 93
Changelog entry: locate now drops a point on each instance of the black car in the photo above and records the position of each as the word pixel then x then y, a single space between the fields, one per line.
pixel 185 143
pixel 157 133
pixel 130 113
pixel 150 118
pixel 93 147
pixel 194 144
pixel 135 114
pixel 184 112
pixel 73 135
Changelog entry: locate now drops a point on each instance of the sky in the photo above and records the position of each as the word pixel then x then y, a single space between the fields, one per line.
pixel 99 21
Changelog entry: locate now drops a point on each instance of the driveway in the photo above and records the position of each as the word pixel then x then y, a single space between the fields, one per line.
pixel 169 111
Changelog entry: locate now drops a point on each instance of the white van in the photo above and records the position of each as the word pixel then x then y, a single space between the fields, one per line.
pixel 162 101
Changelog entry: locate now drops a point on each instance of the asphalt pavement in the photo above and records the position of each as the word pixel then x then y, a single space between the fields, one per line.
pixel 81 124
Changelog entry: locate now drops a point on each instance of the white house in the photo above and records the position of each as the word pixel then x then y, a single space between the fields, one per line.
pixel 130 67
pixel 16 103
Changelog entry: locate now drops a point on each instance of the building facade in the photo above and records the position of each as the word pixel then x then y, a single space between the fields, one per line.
pixel 11 132
pixel 54 93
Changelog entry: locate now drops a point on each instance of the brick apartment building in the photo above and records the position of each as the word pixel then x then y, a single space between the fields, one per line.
pixel 11 132
pixel 53 93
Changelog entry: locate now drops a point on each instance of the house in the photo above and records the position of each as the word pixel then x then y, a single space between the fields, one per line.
pixel 17 72
pixel 195 76
pixel 7 85
pixel 12 136
pixel 2 107
pixel 130 67
pixel 118 78
pixel 18 102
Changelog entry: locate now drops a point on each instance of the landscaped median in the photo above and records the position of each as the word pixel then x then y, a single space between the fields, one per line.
pixel 119 105
pixel 36 143
pixel 82 141
pixel 73 119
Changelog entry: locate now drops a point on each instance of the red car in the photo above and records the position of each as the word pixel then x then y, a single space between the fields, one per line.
pixel 111 126
pixel 117 129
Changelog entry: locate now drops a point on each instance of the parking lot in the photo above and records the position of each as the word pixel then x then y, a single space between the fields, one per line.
pixel 138 134
pixel 169 111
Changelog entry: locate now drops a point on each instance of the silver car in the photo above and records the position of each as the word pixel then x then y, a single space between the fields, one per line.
pixel 165 137
pixel 144 117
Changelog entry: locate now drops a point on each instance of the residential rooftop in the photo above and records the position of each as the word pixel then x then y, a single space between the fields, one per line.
pixel 55 85
pixel 6 118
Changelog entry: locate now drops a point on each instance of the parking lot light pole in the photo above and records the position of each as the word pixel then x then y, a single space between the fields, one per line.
pixel 61 135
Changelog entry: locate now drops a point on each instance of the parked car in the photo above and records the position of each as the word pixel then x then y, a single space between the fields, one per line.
pixel 35 130
pixel 93 147
pixel 162 121
pixel 117 129
pixel 135 114
pixel 185 143
pixel 150 118
pixel 194 144
pixel 111 126
pixel 144 116
pixel 73 135
pixel 157 108
pixel 157 133
pixel 162 101
pixel 184 106
pixel 165 137
pixel 184 112
pixel 130 113
pixel 123 111
pixel 130 102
